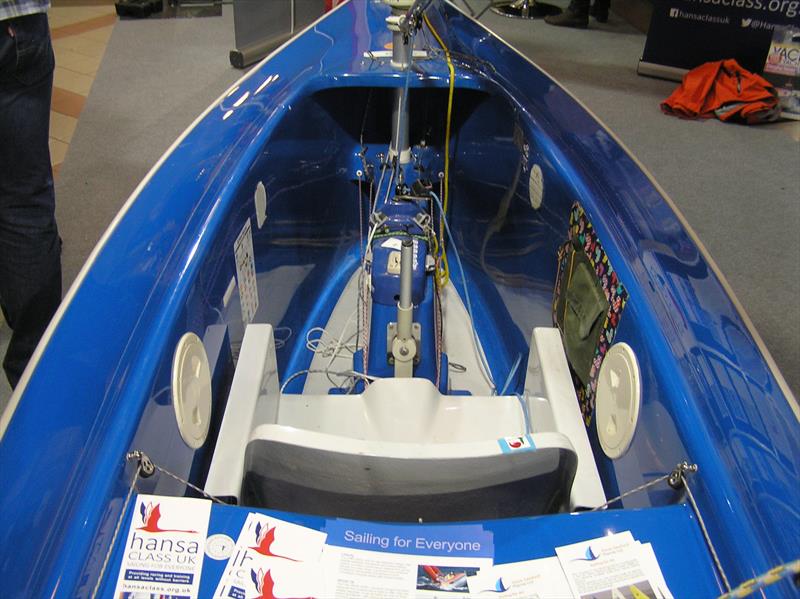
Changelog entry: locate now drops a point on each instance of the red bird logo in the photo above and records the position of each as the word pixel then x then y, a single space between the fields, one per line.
pixel 265 537
pixel 264 584
pixel 150 517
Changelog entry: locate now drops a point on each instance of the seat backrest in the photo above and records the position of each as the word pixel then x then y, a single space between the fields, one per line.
pixel 312 472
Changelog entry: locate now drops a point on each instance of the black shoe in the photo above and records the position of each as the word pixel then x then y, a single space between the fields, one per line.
pixel 138 9
pixel 600 12
pixel 573 16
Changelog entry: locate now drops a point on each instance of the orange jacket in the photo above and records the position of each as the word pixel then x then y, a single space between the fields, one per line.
pixel 724 90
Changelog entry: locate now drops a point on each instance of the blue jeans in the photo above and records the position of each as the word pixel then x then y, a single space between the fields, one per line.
pixel 30 248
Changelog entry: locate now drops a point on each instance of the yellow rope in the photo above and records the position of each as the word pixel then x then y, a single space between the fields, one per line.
pixel 443 270
pixel 777 573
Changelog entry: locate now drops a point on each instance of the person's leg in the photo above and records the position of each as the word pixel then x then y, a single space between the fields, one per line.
pixel 30 248
pixel 599 10
pixel 575 15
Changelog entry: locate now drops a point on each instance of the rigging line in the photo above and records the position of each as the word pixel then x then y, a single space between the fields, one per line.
pixel 388 191
pixel 673 478
pixel 188 484
pixel 511 374
pixel 676 478
pixel 319 345
pixel 361 252
pixel 113 542
pixel 339 346
pixel 360 221
pixel 362 265
pixel 443 275
pixel 704 529
pixel 481 357
pixel 364 120
pixel 403 105
pixel 360 299
pixel 776 574
pixel 437 328
pixel 374 200
pixel 642 487
pixel 351 373
pixel 332 347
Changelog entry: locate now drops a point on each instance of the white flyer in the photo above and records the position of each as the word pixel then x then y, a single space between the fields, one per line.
pixel 273 558
pixel 357 573
pixel 388 561
pixel 163 553
pixel 531 579
pixel 649 557
pixel 246 272
pixel 611 567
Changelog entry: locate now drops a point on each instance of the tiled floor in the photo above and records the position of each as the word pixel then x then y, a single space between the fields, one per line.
pixel 80 32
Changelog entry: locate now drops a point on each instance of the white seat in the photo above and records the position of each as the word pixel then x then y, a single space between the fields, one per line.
pixel 401 450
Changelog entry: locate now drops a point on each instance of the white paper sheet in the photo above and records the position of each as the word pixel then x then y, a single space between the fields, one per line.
pixel 273 558
pixel 163 553
pixel 611 567
pixel 355 574
pixel 531 579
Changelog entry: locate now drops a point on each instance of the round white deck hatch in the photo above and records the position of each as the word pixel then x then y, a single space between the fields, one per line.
pixel 191 390
pixel 617 401
pixel 536 186
pixel 260 200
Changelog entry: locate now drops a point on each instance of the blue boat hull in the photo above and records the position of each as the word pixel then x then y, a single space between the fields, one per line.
pixel 99 385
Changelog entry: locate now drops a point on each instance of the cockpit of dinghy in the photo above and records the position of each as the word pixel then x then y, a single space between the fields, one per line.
pixel 301 430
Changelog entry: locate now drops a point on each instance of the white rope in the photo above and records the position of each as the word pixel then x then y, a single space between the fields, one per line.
pixel 331 347
pixel 281 341
pixel 347 373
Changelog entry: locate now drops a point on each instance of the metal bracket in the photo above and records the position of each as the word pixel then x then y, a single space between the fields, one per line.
pixel 423 221
pixel 675 479
pixel 391 333
pixel 377 219
pixel 146 467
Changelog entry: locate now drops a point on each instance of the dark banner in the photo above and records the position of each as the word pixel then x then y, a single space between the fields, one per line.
pixel 686 33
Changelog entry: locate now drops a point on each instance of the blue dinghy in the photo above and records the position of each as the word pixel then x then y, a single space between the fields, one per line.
pixel 397 273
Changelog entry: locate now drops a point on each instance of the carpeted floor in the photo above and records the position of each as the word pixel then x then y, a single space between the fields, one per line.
pixel 738 186
pixel 157 76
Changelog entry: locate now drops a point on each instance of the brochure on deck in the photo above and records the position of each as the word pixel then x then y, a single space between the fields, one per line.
pixel 273 558
pixel 613 567
pixel 532 579
pixel 379 561
pixel 163 553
